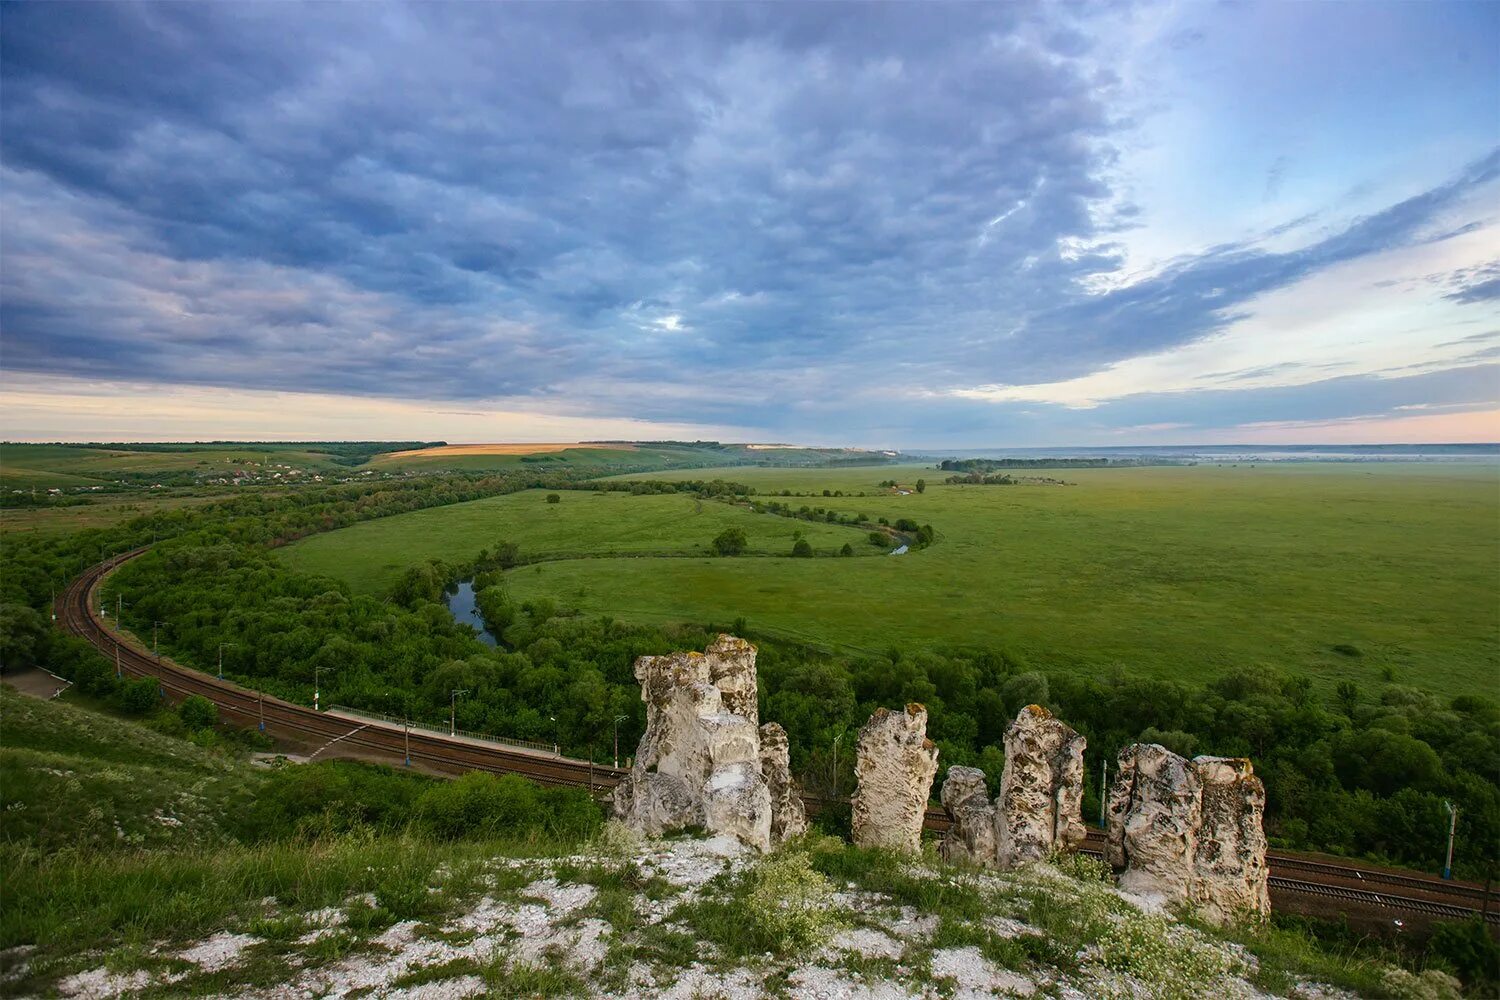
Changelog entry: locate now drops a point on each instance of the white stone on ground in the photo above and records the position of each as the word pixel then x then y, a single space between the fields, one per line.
pixel 816 982
pixel 97 984
pixel 218 952
pixel 974 976
pixel 868 942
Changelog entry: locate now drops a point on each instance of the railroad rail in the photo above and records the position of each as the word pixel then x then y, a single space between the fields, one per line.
pixel 77 613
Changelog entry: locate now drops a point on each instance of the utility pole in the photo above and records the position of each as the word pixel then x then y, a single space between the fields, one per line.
pixel 118 674
pixel 406 735
pixel 154 626
pixel 836 764
pixel 1452 829
pixel 453 710
pixel 221 658
pixel 260 697
pixel 1103 788
pixel 618 719
pixel 317 686
pixel 555 751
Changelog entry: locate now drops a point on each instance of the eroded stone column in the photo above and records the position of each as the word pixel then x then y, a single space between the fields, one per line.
pixel 1040 809
pixel 788 814
pixel 1229 866
pixel 971 837
pixel 698 762
pixel 1154 815
pixel 894 765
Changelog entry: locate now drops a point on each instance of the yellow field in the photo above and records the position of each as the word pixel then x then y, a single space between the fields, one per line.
pixel 497 449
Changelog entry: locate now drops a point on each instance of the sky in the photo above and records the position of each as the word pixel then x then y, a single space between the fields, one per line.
pixel 870 225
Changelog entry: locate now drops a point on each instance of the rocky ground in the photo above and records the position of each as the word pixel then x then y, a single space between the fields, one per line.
pixel 693 918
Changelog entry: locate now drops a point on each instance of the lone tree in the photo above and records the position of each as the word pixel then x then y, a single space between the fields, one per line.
pixel 921 486
pixel 802 550
pixel 731 542
pixel 553 498
pixel 847 550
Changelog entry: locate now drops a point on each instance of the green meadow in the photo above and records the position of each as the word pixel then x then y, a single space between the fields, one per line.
pixel 23 466
pixel 1339 571
pixel 585 525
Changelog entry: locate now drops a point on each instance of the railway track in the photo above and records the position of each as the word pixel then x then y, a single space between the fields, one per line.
pixel 77 612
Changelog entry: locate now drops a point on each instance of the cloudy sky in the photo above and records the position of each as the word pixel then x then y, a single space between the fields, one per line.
pixel 879 225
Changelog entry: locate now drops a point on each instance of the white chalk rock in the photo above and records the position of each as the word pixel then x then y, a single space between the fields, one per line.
pixel 698 762
pixel 1229 868
pixel 1154 814
pixel 1040 809
pixel 971 835
pixel 788 814
pixel 894 766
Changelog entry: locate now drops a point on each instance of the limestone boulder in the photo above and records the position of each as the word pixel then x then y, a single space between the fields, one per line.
pixel 894 766
pixel 788 814
pixel 1154 814
pixel 1040 809
pixel 971 834
pixel 698 762
pixel 1229 866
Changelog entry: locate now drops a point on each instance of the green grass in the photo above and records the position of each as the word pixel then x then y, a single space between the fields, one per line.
pixel 103 513
pixel 23 466
pixel 71 777
pixel 371 555
pixel 1172 572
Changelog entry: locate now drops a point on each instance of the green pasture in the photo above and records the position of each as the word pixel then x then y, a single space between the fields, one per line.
pixel 23 466
pixel 1172 571
pixel 370 556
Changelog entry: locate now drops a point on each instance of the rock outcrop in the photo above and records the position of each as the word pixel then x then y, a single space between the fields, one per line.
pixel 1040 809
pixel 699 761
pixel 1154 814
pixel 788 815
pixel 894 766
pixel 1190 831
pixel 1229 867
pixel 971 837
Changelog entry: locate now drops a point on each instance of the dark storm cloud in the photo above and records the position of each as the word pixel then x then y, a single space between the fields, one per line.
pixel 692 212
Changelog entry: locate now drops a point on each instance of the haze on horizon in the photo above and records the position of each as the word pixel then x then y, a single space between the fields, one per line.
pixel 878 225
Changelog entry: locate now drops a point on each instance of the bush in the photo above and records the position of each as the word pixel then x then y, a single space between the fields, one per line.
pixel 553 498
pixel 847 550
pixel 731 542
pixel 140 696
pixel 330 798
pixel 197 712
pixel 879 538
pixel 1468 950
pixel 802 550
pixel 481 804
pixel 789 902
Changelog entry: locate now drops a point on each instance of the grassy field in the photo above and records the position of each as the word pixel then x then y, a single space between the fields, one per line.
pixel 23 466
pixel 370 556
pixel 108 510
pixel 1182 572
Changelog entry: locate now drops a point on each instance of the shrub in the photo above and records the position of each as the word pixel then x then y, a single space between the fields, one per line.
pixel 480 804
pixel 140 696
pixel 1083 867
pixel 802 550
pixel 879 538
pixel 197 712
pixel 847 550
pixel 1173 965
pixel 789 903
pixel 731 542
pixel 1468 950
pixel 553 498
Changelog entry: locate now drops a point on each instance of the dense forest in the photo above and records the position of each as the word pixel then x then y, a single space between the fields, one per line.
pixel 1363 772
